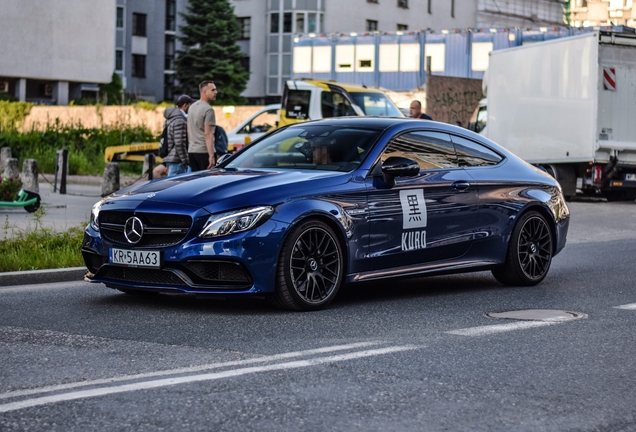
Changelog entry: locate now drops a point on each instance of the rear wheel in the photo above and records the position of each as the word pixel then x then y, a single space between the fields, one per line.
pixel 33 207
pixel 310 268
pixel 529 252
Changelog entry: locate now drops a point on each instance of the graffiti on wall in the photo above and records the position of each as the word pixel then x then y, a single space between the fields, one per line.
pixel 452 100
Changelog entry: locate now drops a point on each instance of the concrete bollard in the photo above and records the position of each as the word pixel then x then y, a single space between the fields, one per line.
pixel 111 179
pixel 149 165
pixel 5 154
pixel 11 168
pixel 30 175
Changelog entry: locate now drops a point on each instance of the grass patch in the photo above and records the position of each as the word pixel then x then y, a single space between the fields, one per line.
pixel 40 248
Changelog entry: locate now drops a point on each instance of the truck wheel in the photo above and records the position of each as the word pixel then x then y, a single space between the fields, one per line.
pixel 529 252
pixel 310 268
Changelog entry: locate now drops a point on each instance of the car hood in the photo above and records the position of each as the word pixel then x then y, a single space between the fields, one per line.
pixel 217 190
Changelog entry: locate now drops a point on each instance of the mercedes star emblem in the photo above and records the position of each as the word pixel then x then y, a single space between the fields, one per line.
pixel 133 230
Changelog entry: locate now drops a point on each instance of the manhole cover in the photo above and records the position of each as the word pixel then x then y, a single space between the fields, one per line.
pixel 537 315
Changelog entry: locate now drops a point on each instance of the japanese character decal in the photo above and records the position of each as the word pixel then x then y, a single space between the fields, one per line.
pixel 413 208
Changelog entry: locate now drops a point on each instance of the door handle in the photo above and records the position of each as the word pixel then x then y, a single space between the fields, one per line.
pixel 461 186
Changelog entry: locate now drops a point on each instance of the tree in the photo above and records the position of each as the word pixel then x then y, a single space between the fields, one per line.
pixel 113 90
pixel 210 50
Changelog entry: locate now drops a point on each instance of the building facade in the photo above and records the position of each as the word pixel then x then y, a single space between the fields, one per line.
pixel 138 39
pixel 44 59
pixel 590 13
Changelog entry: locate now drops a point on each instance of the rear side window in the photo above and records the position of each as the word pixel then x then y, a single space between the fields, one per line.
pixel 431 150
pixel 335 105
pixel 297 104
pixel 470 153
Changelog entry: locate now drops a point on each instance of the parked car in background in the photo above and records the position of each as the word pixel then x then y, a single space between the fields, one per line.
pixel 257 125
pixel 315 205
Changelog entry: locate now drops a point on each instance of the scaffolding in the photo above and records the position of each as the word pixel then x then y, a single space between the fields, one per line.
pixel 520 13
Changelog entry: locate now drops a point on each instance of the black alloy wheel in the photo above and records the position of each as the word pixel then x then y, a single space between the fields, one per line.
pixel 529 252
pixel 310 268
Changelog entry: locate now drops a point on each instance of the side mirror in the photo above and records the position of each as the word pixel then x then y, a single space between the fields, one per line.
pixel 397 166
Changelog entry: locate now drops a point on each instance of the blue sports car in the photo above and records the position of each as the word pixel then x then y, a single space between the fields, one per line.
pixel 310 207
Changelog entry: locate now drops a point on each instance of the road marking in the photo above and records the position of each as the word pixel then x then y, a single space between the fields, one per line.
pixel 165 382
pixel 210 366
pixel 500 328
pixel 631 306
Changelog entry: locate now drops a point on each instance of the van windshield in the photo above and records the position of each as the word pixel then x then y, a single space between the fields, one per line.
pixel 376 104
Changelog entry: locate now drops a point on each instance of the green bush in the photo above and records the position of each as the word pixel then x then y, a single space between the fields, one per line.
pixel 12 114
pixel 9 188
pixel 85 146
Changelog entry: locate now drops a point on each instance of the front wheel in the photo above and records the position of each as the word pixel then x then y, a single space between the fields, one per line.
pixel 310 268
pixel 529 252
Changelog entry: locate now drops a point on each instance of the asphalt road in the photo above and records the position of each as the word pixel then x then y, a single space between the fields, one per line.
pixel 412 355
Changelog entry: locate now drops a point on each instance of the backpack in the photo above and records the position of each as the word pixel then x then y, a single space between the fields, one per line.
pixel 163 143
pixel 220 140
pixel 164 149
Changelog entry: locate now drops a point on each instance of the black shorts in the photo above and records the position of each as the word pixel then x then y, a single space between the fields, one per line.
pixel 199 161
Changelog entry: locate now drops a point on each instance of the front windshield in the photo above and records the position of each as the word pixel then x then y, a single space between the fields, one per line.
pixel 318 147
pixel 376 104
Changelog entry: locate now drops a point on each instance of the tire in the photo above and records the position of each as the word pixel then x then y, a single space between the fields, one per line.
pixel 33 207
pixel 310 268
pixel 529 252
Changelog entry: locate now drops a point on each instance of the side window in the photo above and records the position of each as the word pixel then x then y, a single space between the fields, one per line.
pixel 432 150
pixel 470 153
pixel 297 104
pixel 261 123
pixel 335 105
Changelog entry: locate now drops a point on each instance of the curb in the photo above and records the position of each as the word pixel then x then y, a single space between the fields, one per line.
pixel 70 274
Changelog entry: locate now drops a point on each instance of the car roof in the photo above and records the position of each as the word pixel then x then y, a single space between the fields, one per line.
pixel 328 84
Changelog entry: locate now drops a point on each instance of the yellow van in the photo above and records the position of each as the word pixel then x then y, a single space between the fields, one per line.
pixel 312 100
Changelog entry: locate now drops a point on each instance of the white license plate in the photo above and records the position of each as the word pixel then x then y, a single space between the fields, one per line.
pixel 630 177
pixel 135 258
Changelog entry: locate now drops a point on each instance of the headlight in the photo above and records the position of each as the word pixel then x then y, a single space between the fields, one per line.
pixel 235 221
pixel 94 214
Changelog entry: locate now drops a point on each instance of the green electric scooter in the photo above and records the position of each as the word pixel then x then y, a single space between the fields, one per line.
pixel 27 199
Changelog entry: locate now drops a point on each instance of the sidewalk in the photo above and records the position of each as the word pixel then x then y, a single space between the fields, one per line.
pixel 62 212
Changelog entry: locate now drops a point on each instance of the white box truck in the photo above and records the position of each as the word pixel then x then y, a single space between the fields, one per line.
pixel 569 105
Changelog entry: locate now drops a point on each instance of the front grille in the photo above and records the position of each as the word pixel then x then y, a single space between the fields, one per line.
pixel 139 275
pixel 159 229
pixel 218 272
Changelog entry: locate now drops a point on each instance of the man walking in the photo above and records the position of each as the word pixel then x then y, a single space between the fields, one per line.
pixel 415 111
pixel 201 124
pixel 177 160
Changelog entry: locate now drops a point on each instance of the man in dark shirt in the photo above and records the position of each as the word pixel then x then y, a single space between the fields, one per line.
pixel 415 111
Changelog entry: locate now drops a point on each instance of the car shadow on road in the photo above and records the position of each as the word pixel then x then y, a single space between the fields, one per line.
pixel 351 295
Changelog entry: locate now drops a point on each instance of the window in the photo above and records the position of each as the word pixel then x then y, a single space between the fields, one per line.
pixel 287 22
pixel 431 150
pixel 171 15
pixel 120 17
pixel 469 153
pixel 452 8
pixel 119 60
pixel 372 1
pixel 168 87
pixel 300 23
pixel 139 66
pixel 375 104
pixel 372 25
pixel 297 104
pixel 170 52
pixel 402 27
pixel 430 6
pixel 273 22
pixel 245 63
pixel 335 105
pixel 139 24
pixel 311 22
pixel 403 4
pixel 246 27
